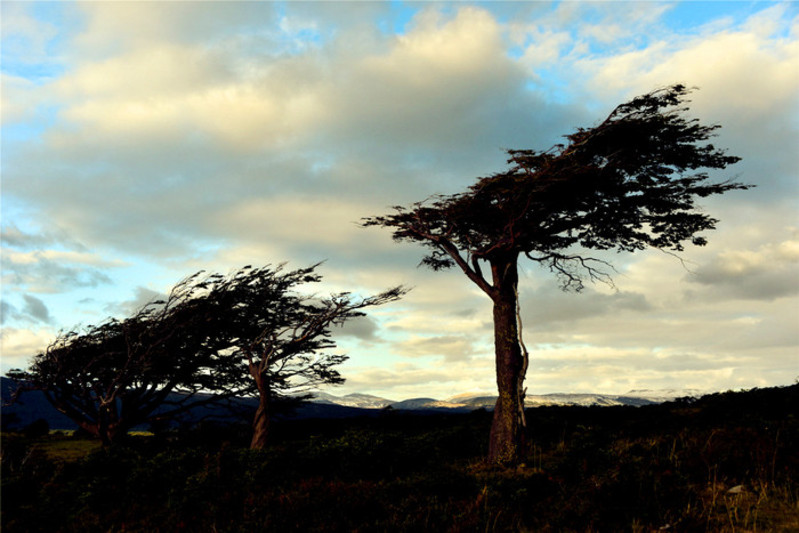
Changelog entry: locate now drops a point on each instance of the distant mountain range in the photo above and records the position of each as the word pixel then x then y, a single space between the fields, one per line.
pixel 469 402
pixel 33 405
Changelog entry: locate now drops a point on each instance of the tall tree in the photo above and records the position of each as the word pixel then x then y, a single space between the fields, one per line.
pixel 627 184
pixel 122 373
pixel 284 337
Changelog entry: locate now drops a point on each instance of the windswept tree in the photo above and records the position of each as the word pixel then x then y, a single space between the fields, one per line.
pixel 122 373
pixel 213 338
pixel 284 337
pixel 627 184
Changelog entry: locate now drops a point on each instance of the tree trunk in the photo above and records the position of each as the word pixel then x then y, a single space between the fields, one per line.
pixel 107 424
pixel 260 423
pixel 508 429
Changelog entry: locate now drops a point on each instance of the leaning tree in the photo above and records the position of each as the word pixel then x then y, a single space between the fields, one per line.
pixel 213 338
pixel 281 337
pixel 161 362
pixel 627 184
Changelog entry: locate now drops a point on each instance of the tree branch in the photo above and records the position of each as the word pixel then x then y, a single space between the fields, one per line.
pixel 565 266
pixel 475 275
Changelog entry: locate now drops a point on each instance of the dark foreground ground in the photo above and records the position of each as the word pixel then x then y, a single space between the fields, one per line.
pixel 727 462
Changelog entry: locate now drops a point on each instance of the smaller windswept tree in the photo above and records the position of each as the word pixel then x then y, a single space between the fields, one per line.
pixel 282 337
pixel 122 373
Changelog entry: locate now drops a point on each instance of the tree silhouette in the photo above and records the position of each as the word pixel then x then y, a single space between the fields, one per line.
pixel 122 373
pixel 282 337
pixel 213 338
pixel 627 184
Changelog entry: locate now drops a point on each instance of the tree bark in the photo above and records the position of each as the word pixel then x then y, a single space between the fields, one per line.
pixel 260 423
pixel 508 430
pixel 107 426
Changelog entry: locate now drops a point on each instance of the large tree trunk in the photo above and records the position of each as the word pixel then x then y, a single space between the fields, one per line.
pixel 260 423
pixel 508 429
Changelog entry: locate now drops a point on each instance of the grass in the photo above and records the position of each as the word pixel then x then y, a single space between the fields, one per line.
pixel 662 468
pixel 66 450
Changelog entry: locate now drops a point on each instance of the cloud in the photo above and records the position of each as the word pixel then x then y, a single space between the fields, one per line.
pixel 362 327
pixel 290 132
pixel 116 28
pixel 450 347
pixel 25 37
pixel 407 380
pixel 751 90
pixel 20 345
pixel 36 309
pixel 447 85
pixel 16 99
pixel 142 297
pixel 165 138
pixel 547 305
pixel 53 271
pixel 171 92
pixel 8 312
pixel 767 273
pixel 311 222
pixel 596 368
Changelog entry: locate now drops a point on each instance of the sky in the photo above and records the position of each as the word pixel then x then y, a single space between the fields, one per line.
pixel 144 141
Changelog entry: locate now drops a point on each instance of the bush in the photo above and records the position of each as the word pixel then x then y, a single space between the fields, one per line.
pixel 37 428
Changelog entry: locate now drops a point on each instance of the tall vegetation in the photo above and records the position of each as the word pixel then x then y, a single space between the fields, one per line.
pixel 212 338
pixel 122 373
pixel 281 337
pixel 627 184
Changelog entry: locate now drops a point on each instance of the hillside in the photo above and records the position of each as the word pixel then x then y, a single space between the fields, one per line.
pixel 33 406
pixel 725 462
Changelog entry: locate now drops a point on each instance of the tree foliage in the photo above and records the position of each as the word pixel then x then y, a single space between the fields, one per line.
pixel 119 374
pixel 284 337
pixel 627 184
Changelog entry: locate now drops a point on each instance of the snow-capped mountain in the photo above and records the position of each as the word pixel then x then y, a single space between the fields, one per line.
pixel 363 401
pixel 477 401
pixel 416 404
pixel 664 395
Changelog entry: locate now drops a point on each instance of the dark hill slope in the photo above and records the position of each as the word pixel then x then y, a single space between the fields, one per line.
pixel 33 405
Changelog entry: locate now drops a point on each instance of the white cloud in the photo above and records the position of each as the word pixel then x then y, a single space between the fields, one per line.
pixel 25 37
pixel 771 271
pixel 51 271
pixel 450 347
pixel 462 45
pixel 174 92
pixel 20 345
pixel 61 256
pixel 142 296
pixel 407 380
pixel 311 221
pixel 17 103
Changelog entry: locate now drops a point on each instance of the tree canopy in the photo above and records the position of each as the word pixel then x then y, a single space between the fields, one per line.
pixel 282 337
pixel 627 184
pixel 119 374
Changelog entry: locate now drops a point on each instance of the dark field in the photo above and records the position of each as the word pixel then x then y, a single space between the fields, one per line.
pixel 726 462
